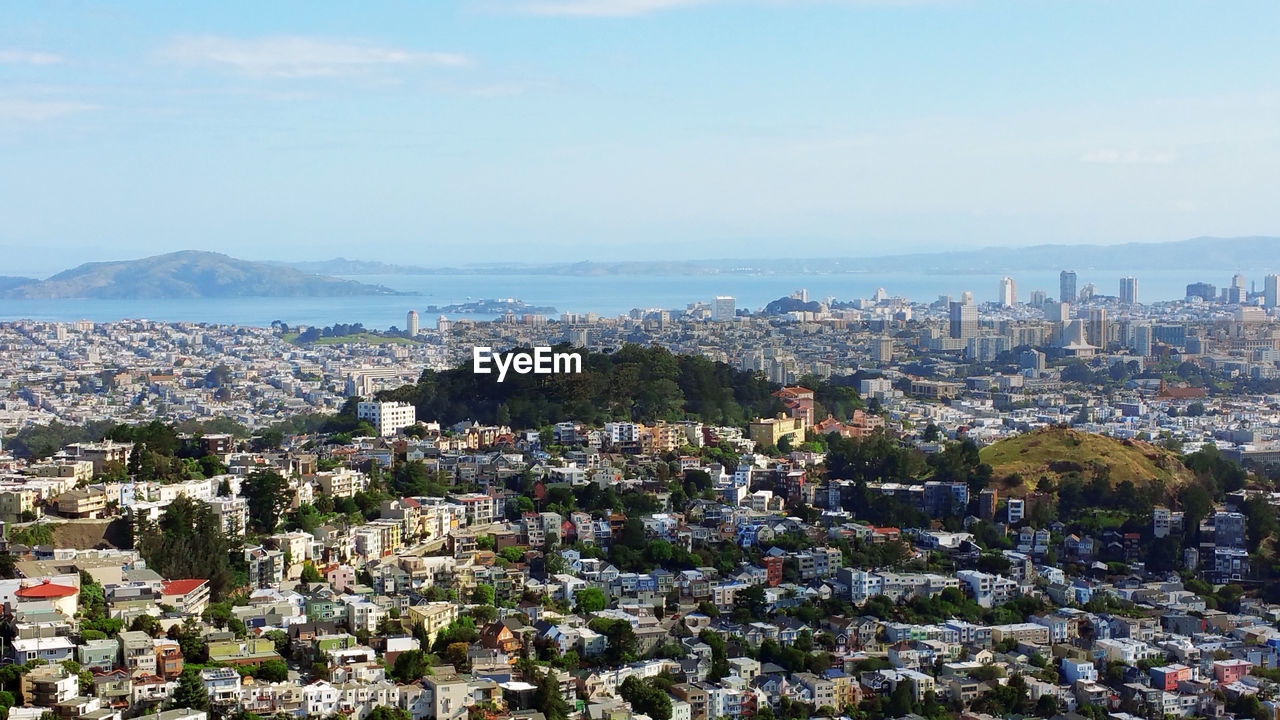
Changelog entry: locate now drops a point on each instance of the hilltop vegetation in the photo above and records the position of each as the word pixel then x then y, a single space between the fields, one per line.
pixel 635 383
pixel 1018 463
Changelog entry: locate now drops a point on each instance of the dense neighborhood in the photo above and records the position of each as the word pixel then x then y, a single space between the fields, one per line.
pixel 664 570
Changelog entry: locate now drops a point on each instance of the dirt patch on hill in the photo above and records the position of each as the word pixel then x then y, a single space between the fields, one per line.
pixel 89 534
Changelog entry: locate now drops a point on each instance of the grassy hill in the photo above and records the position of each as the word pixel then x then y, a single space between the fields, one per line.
pixel 1057 452
pixel 188 274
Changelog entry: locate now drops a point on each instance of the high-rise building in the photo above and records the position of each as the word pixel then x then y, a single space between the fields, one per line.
pixel 964 320
pixel 1142 340
pixel 1237 294
pixel 1203 290
pixel 1038 298
pixel 1058 312
pixel 1067 286
pixel 725 308
pixel 966 297
pixel 882 349
pixel 411 323
pixel 443 326
pixel 1008 292
pixel 1098 329
pixel 1129 290
pixel 1271 291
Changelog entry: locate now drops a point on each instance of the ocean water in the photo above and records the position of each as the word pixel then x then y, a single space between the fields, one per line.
pixel 607 295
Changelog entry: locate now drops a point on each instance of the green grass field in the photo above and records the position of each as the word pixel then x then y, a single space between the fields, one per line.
pixel 1055 452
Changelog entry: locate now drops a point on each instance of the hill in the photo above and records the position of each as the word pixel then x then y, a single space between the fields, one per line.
pixel 635 383
pixel 189 274
pixel 8 282
pixel 1256 253
pixel 343 266
pixel 1058 452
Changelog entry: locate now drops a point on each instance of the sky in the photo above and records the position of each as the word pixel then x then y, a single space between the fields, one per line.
pixel 443 132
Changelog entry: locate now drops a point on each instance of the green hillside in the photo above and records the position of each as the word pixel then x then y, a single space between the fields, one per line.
pixel 1060 452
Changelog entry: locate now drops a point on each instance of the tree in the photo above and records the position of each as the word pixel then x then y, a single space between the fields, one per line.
pixel 281 640
pixel 646 699
pixel 590 600
pixel 272 671
pixel 547 697
pixel 190 637
pixel 382 712
pixel 268 495
pixel 901 702
pixel 146 624
pixel 310 574
pixel 190 692
pixel 621 638
pixel 482 595
pixel 187 542
pixel 410 666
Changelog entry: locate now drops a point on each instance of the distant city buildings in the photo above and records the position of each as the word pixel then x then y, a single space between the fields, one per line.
pixel 963 320
pixel 1067 286
pixel 411 324
pixel 1129 290
pixel 725 308
pixel 1203 290
pixel 1008 292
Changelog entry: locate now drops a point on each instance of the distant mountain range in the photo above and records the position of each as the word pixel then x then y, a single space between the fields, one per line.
pixel 187 274
pixel 196 274
pixel 1252 253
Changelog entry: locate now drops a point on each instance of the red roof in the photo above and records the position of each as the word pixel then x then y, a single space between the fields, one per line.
pixel 183 587
pixel 46 589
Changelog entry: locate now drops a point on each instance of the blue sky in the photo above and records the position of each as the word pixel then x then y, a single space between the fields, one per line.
pixel 455 131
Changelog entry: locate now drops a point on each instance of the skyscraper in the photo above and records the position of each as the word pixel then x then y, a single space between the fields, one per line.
pixel 725 308
pixel 1008 292
pixel 964 320
pixel 1059 312
pixel 1129 290
pixel 411 324
pixel 1098 330
pixel 1067 286
pixel 1203 290
pixel 1037 298
pixel 1236 294
pixel 1142 340
pixel 1271 290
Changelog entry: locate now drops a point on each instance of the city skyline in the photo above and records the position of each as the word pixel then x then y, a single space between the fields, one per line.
pixel 451 133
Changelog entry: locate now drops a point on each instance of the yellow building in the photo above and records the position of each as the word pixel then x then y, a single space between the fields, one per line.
pixel 433 616
pixel 768 431
pixel 15 502
pixel 662 438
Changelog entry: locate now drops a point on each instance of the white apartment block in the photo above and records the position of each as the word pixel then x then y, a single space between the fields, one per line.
pixel 387 417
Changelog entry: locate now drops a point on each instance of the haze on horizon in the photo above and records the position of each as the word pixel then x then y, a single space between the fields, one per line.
pixel 463 131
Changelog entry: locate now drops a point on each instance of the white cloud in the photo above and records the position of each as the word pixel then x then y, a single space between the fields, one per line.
pixel 38 110
pixel 1130 157
pixel 26 57
pixel 604 8
pixel 294 56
